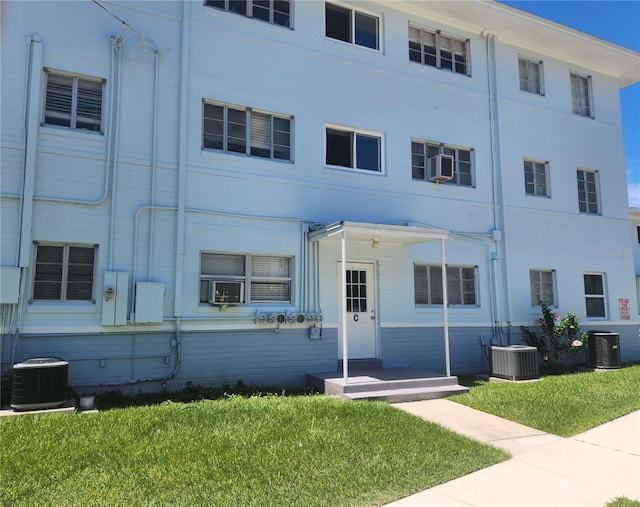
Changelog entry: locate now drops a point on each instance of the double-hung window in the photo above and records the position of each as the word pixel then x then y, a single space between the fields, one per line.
pixel 64 272
pixel 535 178
pixel 73 101
pixel 423 151
pixel 437 50
pixel 542 286
pixel 588 191
pixel 264 278
pixel 352 26
pixel 594 295
pixel 276 12
pixel 243 130
pixel 359 150
pixel 530 73
pixel 581 95
pixel 461 285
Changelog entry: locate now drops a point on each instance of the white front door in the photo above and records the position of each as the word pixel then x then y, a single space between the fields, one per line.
pixel 360 315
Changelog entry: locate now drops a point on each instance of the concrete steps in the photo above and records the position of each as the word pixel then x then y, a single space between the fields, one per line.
pixel 393 385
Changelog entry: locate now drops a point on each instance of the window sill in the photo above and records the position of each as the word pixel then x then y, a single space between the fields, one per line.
pixel 61 307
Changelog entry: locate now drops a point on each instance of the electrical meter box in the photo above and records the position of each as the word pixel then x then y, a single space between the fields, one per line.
pixel 115 298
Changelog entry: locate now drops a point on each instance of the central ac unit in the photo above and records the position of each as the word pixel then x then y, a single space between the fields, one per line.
pixel 440 168
pixel 226 293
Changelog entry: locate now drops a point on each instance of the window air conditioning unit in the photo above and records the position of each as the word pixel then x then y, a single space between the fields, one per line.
pixel 226 293
pixel 440 168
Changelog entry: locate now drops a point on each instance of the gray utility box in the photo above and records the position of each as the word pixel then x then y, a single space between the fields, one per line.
pixel 514 362
pixel 39 383
pixel 604 349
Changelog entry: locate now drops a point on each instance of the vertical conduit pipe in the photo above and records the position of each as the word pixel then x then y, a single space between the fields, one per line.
pixel 445 310
pixel 182 157
pixel 117 43
pixel 154 161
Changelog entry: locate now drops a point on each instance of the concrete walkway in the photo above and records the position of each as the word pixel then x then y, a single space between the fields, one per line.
pixel 588 469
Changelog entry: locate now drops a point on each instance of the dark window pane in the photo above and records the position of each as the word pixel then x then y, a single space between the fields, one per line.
pixel 339 148
pixel 595 307
pixel 338 22
pixel 368 152
pixel 213 129
pixel 217 4
pixel 366 30
pixel 238 6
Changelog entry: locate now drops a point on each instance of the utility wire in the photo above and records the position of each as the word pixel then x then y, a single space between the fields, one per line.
pixel 142 38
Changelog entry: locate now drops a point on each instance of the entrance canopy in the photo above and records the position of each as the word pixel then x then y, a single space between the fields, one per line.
pixel 377 234
pixel 390 234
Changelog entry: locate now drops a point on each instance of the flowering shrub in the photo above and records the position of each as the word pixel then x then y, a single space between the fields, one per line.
pixel 558 335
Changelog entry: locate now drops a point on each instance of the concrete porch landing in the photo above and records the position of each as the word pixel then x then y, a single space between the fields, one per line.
pixel 393 385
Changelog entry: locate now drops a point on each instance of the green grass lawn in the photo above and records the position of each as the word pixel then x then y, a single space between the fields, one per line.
pixel 561 404
pixel 268 451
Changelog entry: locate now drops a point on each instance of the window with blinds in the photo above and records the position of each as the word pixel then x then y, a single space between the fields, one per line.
pixel 64 273
pixel 438 50
pixel 276 12
pixel 267 278
pixel 243 130
pixel 74 102
pixel 581 95
pixel 542 283
pixel 428 287
pixel 530 74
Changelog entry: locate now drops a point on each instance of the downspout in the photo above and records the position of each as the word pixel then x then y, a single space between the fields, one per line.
pixel 182 167
pixel 154 161
pixel 117 43
pixel 498 258
pixel 34 85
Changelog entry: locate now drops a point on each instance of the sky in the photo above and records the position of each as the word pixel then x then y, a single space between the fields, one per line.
pixel 616 21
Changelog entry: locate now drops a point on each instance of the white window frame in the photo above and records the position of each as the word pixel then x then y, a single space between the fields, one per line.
pixel 248 277
pixel 249 134
pixel 63 273
pixel 602 296
pixel 536 165
pixel 353 18
pixel 57 113
pixel 591 195
pixel 355 135
pixel 530 84
pixel 580 86
pixel 439 39
pixel 536 276
pixel 431 291
pixel 250 10
pixel 443 149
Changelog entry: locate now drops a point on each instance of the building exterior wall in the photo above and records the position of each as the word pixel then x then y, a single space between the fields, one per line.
pixel 152 199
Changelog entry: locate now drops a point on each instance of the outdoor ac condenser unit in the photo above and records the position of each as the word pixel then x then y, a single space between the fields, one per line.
pixel 440 168
pixel 39 383
pixel 514 362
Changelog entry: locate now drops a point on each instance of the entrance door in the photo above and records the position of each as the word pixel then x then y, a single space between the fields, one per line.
pixel 361 316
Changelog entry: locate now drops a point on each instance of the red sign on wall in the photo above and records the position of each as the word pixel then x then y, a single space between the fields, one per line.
pixel 625 309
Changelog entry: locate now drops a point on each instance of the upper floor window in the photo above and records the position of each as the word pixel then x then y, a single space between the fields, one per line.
pixel 461 285
pixel 243 130
pixel 73 101
pixel 581 95
pixel 423 162
pixel 438 50
pixel 261 278
pixel 588 191
pixel 276 12
pixel 354 149
pixel 63 272
pixel 530 73
pixel 535 178
pixel 542 286
pixel 352 26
